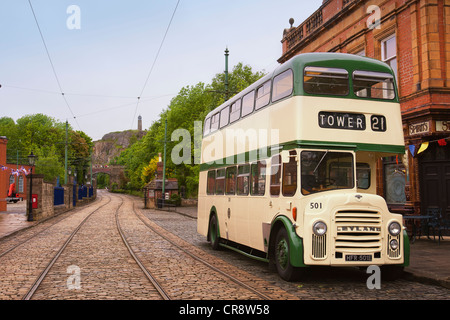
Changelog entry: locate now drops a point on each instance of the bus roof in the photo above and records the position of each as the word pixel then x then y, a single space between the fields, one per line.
pixel 297 63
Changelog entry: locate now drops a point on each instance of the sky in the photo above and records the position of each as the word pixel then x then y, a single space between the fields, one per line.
pixel 106 53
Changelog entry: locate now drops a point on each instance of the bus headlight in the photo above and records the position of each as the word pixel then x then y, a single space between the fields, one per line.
pixel 394 244
pixel 394 228
pixel 319 228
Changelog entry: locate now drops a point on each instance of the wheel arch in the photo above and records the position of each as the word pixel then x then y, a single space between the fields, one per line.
pixel 212 211
pixel 295 242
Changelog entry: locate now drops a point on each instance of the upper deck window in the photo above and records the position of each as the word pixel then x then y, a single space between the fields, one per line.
pixel 235 113
pixel 376 85
pixel 263 95
pixel 248 103
pixel 327 81
pixel 283 85
pixel 224 116
pixel 207 128
pixel 215 122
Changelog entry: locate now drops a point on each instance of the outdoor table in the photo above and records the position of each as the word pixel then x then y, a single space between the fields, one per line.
pixel 414 220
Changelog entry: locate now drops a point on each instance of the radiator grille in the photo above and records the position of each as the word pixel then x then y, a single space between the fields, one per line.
pixel 319 246
pixel 358 231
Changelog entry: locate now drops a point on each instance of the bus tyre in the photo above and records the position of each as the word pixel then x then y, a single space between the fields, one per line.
pixel 282 257
pixel 214 232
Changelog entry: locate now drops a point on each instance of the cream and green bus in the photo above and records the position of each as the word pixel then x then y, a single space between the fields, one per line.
pixel 288 169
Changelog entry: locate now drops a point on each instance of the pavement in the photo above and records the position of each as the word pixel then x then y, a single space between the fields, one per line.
pixel 429 260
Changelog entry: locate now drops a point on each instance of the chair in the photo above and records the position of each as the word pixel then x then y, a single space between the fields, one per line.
pixel 434 222
pixel 443 227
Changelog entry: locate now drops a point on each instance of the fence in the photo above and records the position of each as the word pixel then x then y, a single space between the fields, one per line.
pixel 58 198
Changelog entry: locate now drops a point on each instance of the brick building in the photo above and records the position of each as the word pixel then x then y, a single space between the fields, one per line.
pixel 413 37
pixel 11 173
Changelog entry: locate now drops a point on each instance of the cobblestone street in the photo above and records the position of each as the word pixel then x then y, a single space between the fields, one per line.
pixel 114 249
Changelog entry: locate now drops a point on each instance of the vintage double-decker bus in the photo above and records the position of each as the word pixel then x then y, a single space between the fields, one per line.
pixel 288 172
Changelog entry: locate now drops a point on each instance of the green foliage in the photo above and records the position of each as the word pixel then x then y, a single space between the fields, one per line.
pixel 191 104
pixel 45 137
pixel 102 180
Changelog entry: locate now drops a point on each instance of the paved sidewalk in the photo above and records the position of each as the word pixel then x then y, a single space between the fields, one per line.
pixel 429 263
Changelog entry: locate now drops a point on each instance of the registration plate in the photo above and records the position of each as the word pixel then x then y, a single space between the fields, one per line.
pixel 358 257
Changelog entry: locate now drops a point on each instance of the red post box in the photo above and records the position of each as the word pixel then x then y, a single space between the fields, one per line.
pixel 34 201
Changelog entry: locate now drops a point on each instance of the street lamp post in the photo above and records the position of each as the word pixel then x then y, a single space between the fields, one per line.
pixel 31 160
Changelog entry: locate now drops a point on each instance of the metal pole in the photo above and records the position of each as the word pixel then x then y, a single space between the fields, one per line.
pixel 226 73
pixel 30 198
pixel 164 163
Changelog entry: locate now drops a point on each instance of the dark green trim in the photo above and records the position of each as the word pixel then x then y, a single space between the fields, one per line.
pixel 350 63
pixel 265 153
pixel 406 249
pixel 244 253
pixel 295 242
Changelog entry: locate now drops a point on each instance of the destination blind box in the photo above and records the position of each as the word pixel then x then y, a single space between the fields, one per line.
pixel 350 121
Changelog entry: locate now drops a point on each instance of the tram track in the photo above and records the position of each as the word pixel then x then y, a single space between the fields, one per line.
pixel 43 274
pixel 147 272
pixel 112 265
pixel 195 257
pixel 40 279
pixel 15 246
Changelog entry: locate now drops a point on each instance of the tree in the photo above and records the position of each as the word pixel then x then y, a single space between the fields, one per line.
pixel 191 104
pixel 45 137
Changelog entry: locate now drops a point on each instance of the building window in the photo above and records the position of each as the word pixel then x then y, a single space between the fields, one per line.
pixel 20 184
pixel 389 52
pixel 394 180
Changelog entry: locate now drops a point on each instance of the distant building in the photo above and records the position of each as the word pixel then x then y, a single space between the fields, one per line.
pixel 11 174
pixel 413 37
pixel 153 190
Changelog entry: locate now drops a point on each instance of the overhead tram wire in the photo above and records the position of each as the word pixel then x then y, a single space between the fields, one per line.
pixel 154 62
pixel 51 63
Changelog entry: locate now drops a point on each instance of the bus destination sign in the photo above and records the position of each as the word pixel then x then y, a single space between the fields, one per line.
pixel 351 121
pixel 338 120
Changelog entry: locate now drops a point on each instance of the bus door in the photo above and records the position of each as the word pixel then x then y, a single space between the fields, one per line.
pixel 237 189
pixel 283 182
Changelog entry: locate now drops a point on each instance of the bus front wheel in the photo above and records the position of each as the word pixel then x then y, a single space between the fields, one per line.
pixel 282 257
pixel 214 232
